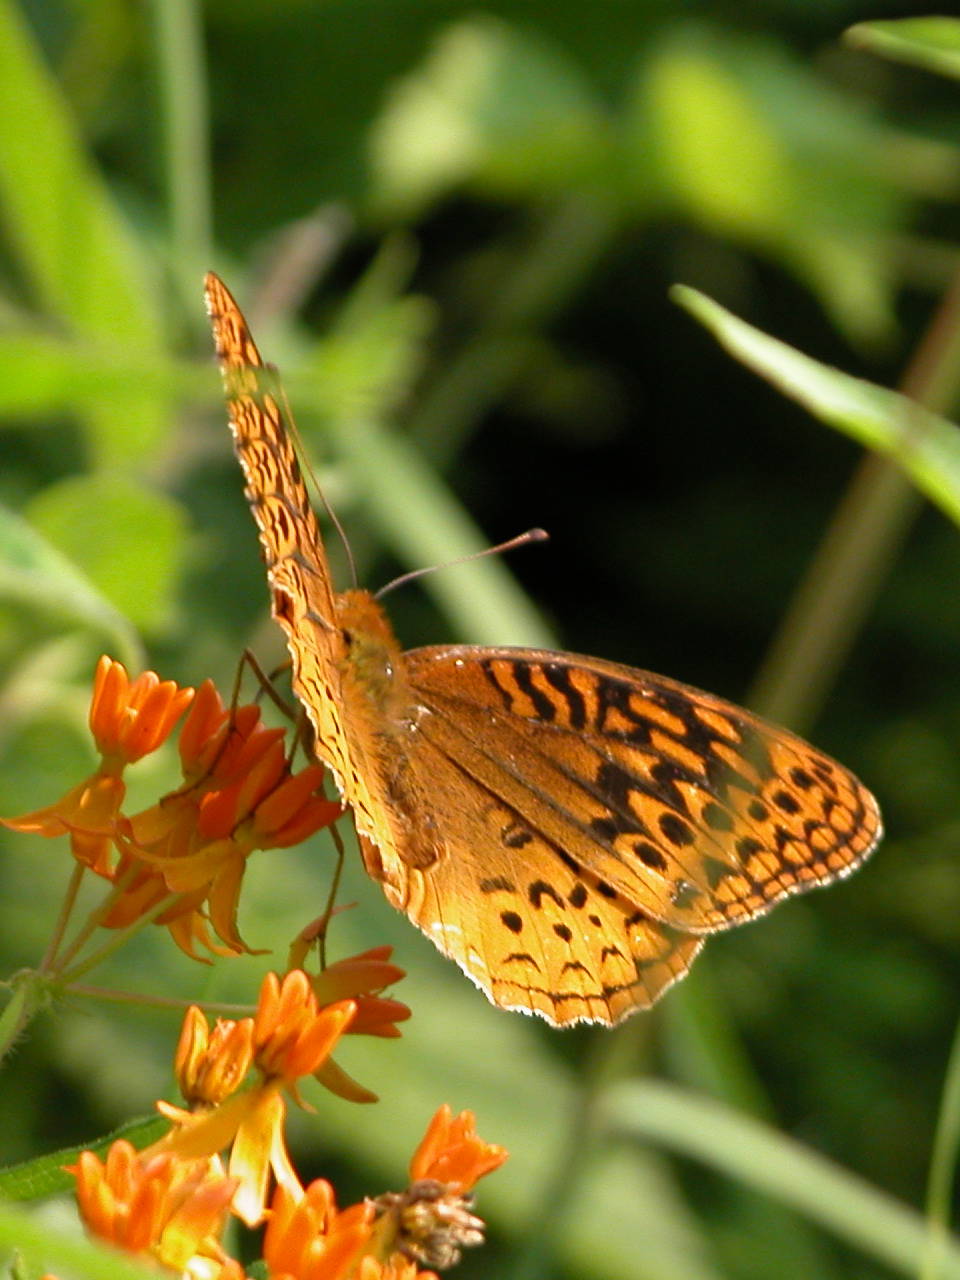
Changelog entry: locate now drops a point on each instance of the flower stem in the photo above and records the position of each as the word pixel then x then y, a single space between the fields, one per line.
pixel 120 938
pixel 18 1012
pixel 63 918
pixel 93 920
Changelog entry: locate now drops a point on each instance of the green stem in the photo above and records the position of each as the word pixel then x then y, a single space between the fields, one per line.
pixel 92 922
pixel 108 994
pixel 63 918
pixel 946 1144
pixel 867 530
pixel 120 938
pixel 183 101
pixel 19 1010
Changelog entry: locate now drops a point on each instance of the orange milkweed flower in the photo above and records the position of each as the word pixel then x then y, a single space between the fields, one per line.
pixel 197 839
pixel 239 795
pixel 361 978
pixel 289 1037
pixel 432 1221
pixel 128 720
pixel 396 1267
pixel 307 1238
pixel 156 1206
pixel 292 1036
pixel 203 744
pixel 452 1153
pixel 210 1065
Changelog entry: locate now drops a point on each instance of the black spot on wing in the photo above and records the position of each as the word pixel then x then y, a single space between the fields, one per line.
pixel 496 883
pixel 539 889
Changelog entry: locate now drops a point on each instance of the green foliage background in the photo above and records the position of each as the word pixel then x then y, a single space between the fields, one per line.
pixel 454 229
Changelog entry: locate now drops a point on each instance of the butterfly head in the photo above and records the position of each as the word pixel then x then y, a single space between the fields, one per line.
pixel 371 649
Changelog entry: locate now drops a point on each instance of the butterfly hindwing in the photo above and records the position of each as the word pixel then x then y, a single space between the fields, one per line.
pixel 693 809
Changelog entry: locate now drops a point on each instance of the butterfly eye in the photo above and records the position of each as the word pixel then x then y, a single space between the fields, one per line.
pixel 347 637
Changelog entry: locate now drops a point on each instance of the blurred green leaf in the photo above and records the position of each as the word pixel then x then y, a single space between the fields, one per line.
pixel 46 374
pixel 127 539
pixel 775 1165
pixel 933 43
pixel 925 445
pixel 719 157
pixel 492 105
pixel 34 573
pixel 43 1242
pixel 71 242
pixel 751 144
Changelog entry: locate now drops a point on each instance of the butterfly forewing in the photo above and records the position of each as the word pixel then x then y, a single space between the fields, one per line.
pixel 298 573
pixel 566 829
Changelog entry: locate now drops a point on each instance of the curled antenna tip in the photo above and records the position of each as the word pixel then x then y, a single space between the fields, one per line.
pixel 522 540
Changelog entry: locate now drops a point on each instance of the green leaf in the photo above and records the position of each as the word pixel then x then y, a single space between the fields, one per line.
pixel 127 539
pixel 925 445
pixel 490 105
pixel 719 156
pixel 35 574
pixel 933 43
pixel 47 374
pixel 755 1154
pixel 68 235
pixel 45 1176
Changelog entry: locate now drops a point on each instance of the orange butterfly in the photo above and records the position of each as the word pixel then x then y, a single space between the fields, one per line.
pixel 566 829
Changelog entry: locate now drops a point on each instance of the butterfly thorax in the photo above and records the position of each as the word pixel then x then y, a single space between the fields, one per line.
pixel 391 806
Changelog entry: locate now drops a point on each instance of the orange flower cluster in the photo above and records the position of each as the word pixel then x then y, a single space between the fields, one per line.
pixel 171 1202
pixel 181 863
pixel 183 858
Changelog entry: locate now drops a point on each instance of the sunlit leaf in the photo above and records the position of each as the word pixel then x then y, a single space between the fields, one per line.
pixel 492 105
pixel 33 573
pixel 933 43
pixel 925 445
pixel 128 540
pixel 719 157
pixel 68 236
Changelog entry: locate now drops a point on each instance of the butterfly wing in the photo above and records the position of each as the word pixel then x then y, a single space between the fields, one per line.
pixel 298 573
pixel 530 928
pixel 324 678
pixel 597 820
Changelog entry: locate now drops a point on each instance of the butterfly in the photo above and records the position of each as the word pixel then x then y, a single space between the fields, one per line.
pixel 568 830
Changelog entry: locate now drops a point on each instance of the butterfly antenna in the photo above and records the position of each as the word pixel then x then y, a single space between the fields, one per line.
pixel 312 475
pixel 521 540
